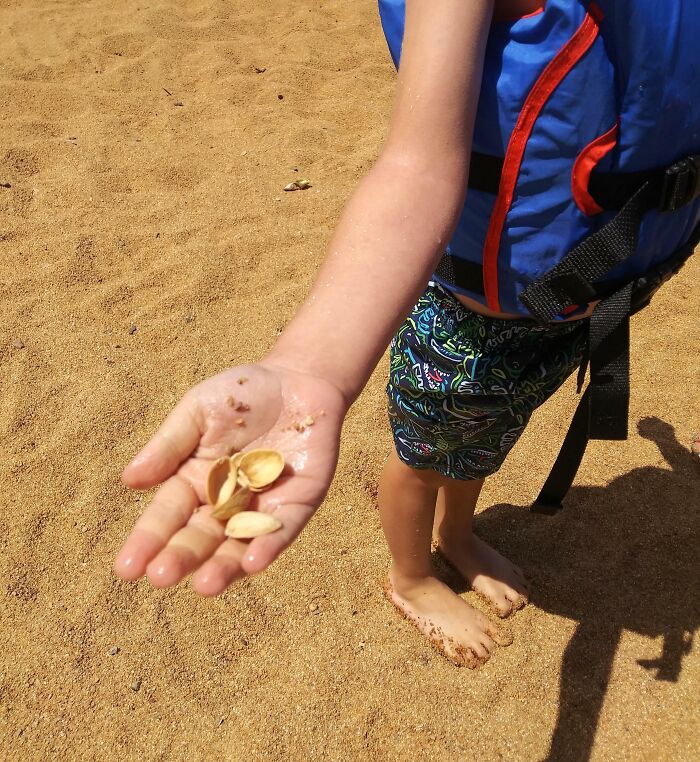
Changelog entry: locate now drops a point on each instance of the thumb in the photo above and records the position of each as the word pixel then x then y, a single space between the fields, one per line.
pixel 174 441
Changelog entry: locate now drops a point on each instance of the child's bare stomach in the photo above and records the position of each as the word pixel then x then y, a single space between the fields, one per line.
pixel 474 306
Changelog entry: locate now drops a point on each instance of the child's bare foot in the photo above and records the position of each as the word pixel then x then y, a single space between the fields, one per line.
pixel 491 575
pixel 453 627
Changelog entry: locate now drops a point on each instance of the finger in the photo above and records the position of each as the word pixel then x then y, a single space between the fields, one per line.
pixel 169 510
pixel 174 441
pixel 224 567
pixel 262 551
pixel 187 549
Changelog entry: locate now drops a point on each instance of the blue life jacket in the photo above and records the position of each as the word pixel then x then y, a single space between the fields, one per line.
pixel 577 97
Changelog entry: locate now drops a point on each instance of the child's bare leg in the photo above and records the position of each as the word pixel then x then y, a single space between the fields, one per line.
pixel 407 506
pixel 486 570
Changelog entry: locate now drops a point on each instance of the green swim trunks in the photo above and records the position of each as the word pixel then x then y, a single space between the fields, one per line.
pixel 462 386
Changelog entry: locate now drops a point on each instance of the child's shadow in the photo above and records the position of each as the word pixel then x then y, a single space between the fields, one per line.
pixel 621 556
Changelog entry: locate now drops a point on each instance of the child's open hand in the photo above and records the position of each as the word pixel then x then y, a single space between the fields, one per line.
pixel 245 407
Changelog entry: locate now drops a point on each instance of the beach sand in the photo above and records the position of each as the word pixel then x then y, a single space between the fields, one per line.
pixel 145 244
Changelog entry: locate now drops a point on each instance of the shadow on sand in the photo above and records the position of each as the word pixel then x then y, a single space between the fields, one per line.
pixel 624 556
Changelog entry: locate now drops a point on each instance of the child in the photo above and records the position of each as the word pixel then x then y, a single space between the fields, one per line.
pixel 466 371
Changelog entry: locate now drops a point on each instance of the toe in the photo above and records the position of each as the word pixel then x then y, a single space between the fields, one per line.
pixel 488 644
pixel 516 599
pixel 467 658
pixel 479 649
pixel 504 606
pixel 515 592
pixel 499 598
pixel 453 651
pixel 519 604
pixel 501 637
pixel 523 591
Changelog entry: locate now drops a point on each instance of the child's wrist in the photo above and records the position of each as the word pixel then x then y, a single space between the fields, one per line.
pixel 296 360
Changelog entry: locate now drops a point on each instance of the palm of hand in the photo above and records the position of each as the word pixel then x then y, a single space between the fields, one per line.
pixel 245 407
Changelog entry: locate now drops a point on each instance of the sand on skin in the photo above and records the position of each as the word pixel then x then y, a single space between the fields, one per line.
pixel 126 209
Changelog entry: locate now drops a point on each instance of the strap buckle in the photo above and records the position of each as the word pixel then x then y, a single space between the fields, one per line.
pixel 681 184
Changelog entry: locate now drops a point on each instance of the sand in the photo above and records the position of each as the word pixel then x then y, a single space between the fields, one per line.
pixel 145 244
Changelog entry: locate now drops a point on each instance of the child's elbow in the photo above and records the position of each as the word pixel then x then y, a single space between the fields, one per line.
pixel 446 168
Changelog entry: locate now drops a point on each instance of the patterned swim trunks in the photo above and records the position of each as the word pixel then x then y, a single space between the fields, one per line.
pixel 462 386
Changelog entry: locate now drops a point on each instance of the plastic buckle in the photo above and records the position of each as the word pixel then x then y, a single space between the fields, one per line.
pixel 681 184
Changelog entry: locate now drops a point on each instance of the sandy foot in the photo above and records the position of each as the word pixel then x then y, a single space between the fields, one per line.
pixel 489 573
pixel 455 629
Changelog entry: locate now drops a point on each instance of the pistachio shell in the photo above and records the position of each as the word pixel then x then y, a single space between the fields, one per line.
pixel 238 501
pixel 297 185
pixel 228 487
pixel 260 468
pixel 217 476
pixel 249 524
pixel 236 459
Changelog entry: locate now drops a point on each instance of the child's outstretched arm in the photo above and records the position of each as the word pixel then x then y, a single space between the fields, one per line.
pixel 398 221
pixel 382 253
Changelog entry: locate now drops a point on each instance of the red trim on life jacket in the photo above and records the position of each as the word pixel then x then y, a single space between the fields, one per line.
pixel 547 82
pixel 534 13
pixel 585 163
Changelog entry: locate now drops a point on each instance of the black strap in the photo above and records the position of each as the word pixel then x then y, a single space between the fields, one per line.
pixel 610 190
pixel 609 341
pixel 672 187
pixel 469 275
pixel 574 279
pixel 461 273
pixel 566 466
pixel 578 277
pixel 609 365
pixel 602 411
pixel 485 172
